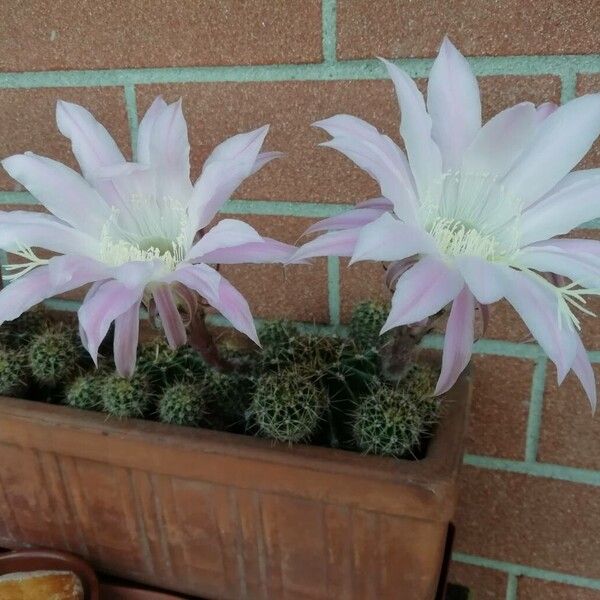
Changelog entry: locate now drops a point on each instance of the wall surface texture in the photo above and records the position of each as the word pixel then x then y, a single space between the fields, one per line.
pixel 528 525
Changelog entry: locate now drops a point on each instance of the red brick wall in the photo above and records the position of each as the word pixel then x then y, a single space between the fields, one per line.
pixel 528 524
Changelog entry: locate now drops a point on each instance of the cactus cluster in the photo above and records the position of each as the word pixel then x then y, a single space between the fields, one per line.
pixel 13 371
pixel 53 355
pixel 287 406
pixel 85 392
pixel 301 387
pixel 390 422
pixel 182 404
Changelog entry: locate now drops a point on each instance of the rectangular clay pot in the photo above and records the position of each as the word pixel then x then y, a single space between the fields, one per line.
pixel 227 516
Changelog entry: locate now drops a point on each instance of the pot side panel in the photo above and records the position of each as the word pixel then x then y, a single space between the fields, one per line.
pixel 212 540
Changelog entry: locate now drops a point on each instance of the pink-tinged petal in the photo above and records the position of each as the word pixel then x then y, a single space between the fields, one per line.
pixel 23 293
pixel 264 158
pixel 380 203
pixel 585 373
pixel 122 184
pixel 169 152
pixel 224 170
pixel 61 190
pixel 500 142
pixel 225 234
pixel 263 252
pixel 101 306
pixel 346 220
pixel 561 140
pixel 335 243
pixel 484 279
pixel 378 155
pixel 387 238
pixel 537 305
pixel 583 269
pixel 573 202
pixel 137 273
pixel 127 332
pixel 422 291
pixel 73 269
pixel 458 340
pixel 571 245
pixel 20 229
pixel 169 316
pixel 415 127
pixel 91 143
pixel 145 129
pixel 453 103
pixel 220 294
pixel 61 274
pixel 545 110
pixel 234 307
pixel 396 269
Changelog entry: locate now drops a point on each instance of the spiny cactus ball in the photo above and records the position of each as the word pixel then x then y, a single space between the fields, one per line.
pixel 390 422
pixel 123 397
pixel 85 392
pixel 53 355
pixel 366 322
pixel 287 406
pixel 181 404
pixel 163 366
pixel 13 371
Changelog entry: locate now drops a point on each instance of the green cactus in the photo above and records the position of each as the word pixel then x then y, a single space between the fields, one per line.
pixel 53 355
pixel 122 397
pixel 85 392
pixel 13 372
pixel 287 406
pixel 418 381
pixel 182 404
pixel 390 422
pixel 365 324
pixel 163 366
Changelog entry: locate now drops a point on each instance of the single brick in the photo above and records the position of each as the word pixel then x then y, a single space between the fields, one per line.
pixel 84 34
pixel 570 435
pixel 534 521
pixel 216 111
pixel 500 406
pixel 484 584
pixel 28 121
pixel 537 589
pixel 403 28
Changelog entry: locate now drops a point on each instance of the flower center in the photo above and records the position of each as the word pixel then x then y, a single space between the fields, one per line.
pixel 455 238
pixel 142 235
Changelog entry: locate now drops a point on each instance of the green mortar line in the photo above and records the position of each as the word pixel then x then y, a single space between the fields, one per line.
pixel 283 208
pixel 329 17
pixel 511 587
pixel 536 405
pixel 594 356
pixel 518 570
pixel 333 289
pixel 352 69
pixel 132 115
pixel 489 346
pixel 537 469
pixel 569 84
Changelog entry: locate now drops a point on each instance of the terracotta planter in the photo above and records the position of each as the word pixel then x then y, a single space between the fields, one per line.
pixel 225 516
